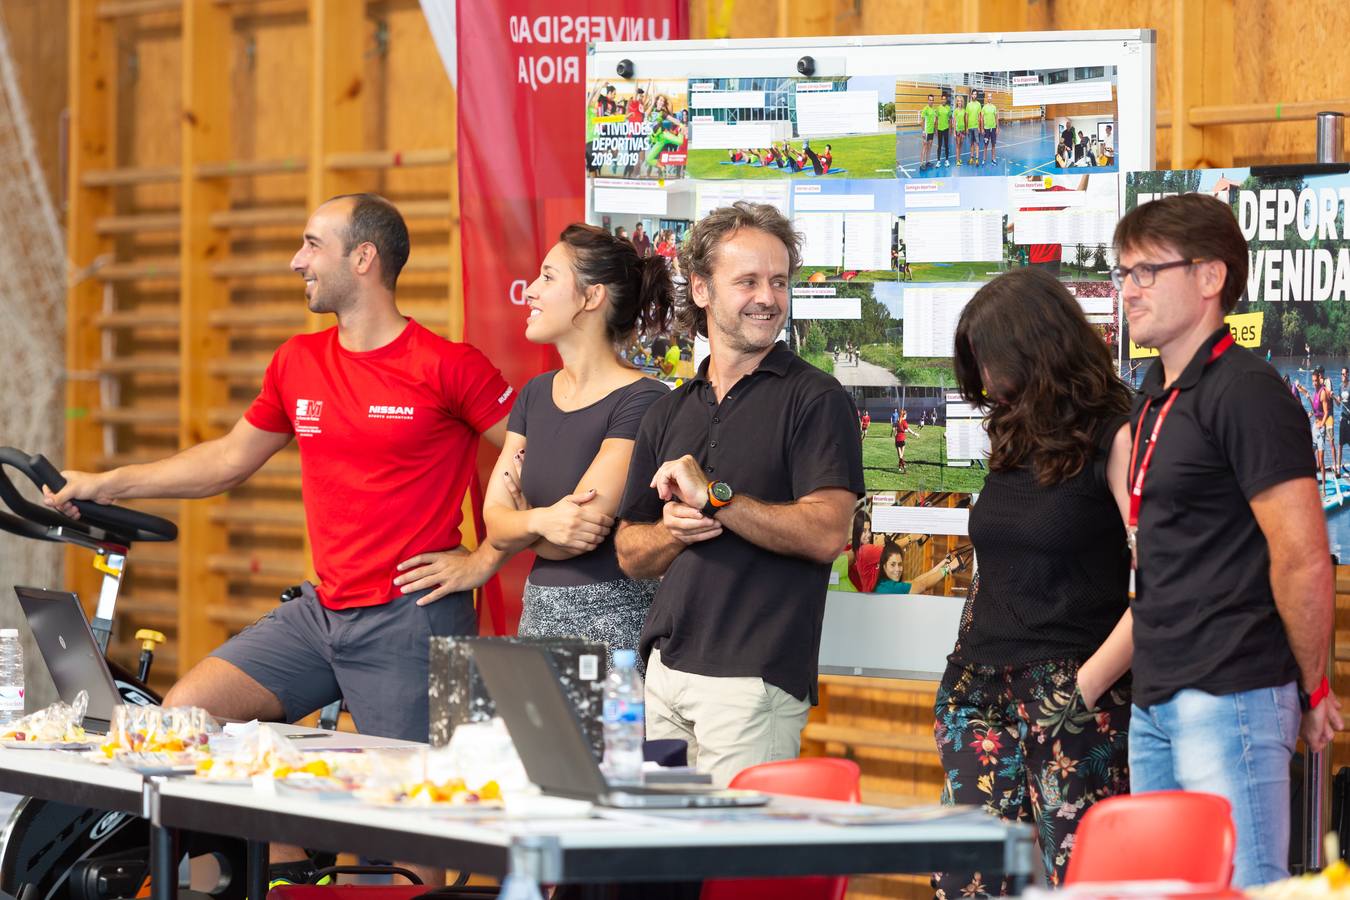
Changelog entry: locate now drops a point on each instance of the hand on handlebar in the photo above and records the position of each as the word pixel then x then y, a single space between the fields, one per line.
pixel 79 486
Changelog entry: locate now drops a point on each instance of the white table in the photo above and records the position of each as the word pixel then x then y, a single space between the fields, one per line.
pixel 674 846
pixel 66 777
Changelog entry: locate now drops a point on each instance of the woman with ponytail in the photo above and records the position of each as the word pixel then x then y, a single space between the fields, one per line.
pixel 593 295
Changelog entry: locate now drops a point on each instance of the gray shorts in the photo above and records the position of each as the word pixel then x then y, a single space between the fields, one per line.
pixel 374 657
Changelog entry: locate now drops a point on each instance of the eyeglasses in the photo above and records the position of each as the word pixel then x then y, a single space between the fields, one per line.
pixel 1144 274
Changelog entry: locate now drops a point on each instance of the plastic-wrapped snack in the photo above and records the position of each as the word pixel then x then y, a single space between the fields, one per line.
pixel 403 778
pixel 264 751
pixel 155 729
pixel 55 724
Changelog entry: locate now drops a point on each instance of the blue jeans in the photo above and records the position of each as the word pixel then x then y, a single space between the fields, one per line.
pixel 1235 745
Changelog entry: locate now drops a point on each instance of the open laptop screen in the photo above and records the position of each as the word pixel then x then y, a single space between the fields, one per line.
pixel 68 648
pixel 525 687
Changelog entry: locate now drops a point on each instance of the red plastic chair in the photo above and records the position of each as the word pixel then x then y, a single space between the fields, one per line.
pixel 1173 835
pixel 822 779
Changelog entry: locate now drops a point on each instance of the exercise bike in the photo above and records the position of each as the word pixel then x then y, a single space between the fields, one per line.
pixel 51 850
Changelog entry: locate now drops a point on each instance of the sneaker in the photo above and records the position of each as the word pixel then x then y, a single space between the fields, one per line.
pixel 300 871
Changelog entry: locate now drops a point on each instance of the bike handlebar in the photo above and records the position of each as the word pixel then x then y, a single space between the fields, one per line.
pixel 124 525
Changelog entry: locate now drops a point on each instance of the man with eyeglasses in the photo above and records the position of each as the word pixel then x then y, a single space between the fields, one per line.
pixel 1233 602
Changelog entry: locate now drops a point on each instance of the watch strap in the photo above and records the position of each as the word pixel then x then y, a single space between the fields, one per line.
pixel 1319 694
pixel 1308 702
pixel 712 504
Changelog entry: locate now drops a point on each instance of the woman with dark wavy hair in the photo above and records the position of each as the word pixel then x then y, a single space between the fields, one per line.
pixel 594 293
pixel 1033 710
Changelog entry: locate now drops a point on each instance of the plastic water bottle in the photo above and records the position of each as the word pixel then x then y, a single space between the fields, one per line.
pixel 625 717
pixel 11 676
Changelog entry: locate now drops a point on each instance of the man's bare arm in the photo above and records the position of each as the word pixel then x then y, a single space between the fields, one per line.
pixel 813 527
pixel 1291 518
pixel 204 470
pixel 646 550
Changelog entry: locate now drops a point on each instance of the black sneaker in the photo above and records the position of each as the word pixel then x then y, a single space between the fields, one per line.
pixel 301 871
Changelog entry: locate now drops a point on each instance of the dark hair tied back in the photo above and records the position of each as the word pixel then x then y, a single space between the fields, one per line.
pixel 641 295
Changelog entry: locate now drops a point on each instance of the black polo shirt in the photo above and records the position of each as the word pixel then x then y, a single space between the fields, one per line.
pixel 1204 612
pixel 727 607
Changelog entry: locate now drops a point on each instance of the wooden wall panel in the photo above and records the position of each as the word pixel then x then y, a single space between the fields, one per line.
pixel 248 131
pixel 149 74
pixel 418 121
pixel 1285 52
pixel 206 127
pixel 92 66
pixel 269 69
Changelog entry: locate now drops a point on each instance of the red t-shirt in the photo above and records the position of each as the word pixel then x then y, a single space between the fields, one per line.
pixel 387 447
pixel 866 568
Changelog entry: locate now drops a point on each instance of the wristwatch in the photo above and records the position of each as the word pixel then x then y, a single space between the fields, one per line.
pixel 1308 702
pixel 720 494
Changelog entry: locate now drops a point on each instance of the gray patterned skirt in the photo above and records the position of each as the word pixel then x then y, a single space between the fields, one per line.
pixel 609 612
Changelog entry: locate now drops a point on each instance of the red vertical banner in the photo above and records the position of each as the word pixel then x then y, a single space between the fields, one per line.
pixel 522 101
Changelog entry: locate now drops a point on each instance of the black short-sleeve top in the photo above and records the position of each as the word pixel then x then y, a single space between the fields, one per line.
pixel 559 448
pixel 1204 610
pixel 1054 565
pixel 727 607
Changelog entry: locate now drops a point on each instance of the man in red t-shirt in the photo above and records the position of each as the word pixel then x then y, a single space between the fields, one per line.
pixel 387 416
pixel 1048 256
pixel 642 243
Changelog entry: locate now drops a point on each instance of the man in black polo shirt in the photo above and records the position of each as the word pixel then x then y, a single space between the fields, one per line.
pixel 740 493
pixel 1233 607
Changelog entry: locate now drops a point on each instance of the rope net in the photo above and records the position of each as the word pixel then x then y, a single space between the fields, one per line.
pixel 32 317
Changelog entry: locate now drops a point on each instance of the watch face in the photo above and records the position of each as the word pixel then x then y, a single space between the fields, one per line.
pixel 721 491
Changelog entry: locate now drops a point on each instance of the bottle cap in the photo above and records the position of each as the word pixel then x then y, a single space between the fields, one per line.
pixel 12 632
pixel 625 659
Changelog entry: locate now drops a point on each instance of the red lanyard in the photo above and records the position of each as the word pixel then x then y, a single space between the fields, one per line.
pixel 1137 487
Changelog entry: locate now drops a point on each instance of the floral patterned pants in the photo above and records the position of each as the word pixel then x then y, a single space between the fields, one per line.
pixel 1020 742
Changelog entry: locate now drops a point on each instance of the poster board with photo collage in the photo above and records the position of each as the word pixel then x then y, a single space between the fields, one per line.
pixel 916 168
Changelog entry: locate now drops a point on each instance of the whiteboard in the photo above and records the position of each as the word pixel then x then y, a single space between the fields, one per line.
pixel 1133 52
pixel 903 636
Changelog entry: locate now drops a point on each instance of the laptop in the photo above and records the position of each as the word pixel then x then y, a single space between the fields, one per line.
pixel 72 656
pixel 548 736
